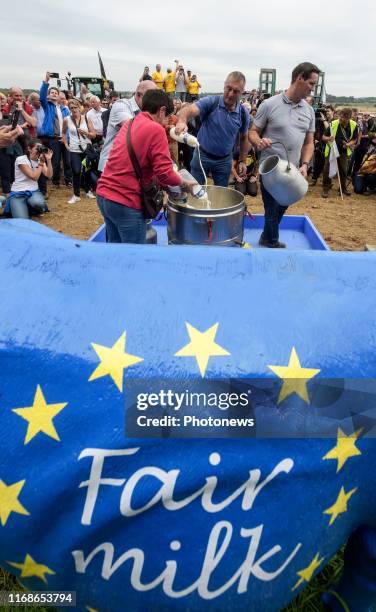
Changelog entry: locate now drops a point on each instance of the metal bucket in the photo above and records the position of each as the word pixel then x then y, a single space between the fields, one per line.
pixel 191 222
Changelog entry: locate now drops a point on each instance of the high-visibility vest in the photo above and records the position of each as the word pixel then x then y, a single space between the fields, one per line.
pixel 334 129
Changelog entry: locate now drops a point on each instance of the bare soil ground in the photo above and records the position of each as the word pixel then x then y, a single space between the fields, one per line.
pixel 346 226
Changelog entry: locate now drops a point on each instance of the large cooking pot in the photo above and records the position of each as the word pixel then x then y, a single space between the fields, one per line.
pixel 192 222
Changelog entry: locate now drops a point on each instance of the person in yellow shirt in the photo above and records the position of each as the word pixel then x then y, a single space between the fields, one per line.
pixel 193 87
pixel 157 77
pixel 169 81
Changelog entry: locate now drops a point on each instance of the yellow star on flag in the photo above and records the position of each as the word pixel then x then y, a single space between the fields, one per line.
pixel 294 377
pixel 40 417
pixel 113 361
pixel 307 573
pixel 202 346
pixel 340 505
pixel 31 568
pixel 9 500
pixel 345 448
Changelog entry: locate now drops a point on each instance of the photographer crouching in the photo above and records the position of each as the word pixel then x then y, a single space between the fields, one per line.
pixel 25 198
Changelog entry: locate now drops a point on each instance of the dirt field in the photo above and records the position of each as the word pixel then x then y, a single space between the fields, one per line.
pixel 346 226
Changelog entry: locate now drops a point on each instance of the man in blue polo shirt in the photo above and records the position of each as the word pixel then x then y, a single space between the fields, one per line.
pixel 223 120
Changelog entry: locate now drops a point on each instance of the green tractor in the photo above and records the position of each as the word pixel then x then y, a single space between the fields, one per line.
pixel 96 86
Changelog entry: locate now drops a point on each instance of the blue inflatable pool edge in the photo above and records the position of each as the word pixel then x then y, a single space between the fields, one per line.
pixel 164 523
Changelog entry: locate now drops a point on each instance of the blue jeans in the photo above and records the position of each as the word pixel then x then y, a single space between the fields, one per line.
pixel 362 183
pixel 21 206
pixel 273 215
pixel 123 224
pixel 220 169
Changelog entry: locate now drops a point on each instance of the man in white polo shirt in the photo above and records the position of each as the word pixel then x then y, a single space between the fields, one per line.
pixel 122 110
pixel 95 114
pixel 286 118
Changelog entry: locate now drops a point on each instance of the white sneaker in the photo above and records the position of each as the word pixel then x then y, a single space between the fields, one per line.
pixel 74 199
pixel 90 195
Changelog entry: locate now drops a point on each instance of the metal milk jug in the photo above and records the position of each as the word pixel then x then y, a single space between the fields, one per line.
pixel 282 179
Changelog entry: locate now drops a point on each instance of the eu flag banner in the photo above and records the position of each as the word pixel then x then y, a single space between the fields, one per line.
pixel 180 523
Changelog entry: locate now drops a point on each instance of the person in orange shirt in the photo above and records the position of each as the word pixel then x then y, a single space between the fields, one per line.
pixel 157 77
pixel 193 87
pixel 169 81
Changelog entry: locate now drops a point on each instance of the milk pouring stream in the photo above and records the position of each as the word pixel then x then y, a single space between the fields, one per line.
pixel 199 191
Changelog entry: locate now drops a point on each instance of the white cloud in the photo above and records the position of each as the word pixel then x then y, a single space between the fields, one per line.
pixel 212 38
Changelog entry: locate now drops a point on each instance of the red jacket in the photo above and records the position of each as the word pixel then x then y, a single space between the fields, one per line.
pixel 7 110
pixel 118 182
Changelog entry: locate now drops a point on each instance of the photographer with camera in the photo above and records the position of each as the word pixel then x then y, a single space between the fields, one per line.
pixel 324 117
pixel 51 130
pixel 181 83
pixel 25 119
pixel 25 197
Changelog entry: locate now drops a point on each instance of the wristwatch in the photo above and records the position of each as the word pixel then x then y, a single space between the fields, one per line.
pixel 305 164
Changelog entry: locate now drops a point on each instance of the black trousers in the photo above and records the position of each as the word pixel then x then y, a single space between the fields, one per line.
pixel 357 159
pixel 76 159
pixel 59 153
pixel 318 161
pixel 6 170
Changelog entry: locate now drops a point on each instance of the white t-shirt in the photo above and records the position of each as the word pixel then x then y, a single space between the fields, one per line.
pixel 96 118
pixel 21 181
pixel 74 140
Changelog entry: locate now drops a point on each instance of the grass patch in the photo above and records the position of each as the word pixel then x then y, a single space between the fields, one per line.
pixel 10 583
pixel 309 600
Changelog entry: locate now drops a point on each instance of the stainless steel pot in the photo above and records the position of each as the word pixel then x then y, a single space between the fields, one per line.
pixel 191 222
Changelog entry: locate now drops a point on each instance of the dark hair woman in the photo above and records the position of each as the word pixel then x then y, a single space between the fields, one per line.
pixel 25 198
pixel 119 192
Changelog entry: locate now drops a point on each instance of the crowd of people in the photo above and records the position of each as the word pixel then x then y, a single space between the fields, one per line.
pixel 177 83
pixel 354 134
pixel 53 134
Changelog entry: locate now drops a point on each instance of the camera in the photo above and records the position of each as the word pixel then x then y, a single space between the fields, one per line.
pixel 320 110
pixel 54 75
pixel 15 117
pixel 42 149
